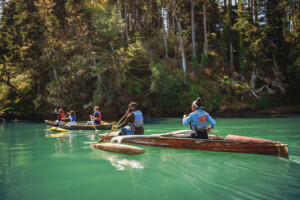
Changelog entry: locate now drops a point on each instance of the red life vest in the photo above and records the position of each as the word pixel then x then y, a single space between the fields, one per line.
pixel 99 117
pixel 62 115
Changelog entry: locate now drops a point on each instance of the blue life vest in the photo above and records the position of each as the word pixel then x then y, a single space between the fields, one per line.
pixel 72 118
pixel 201 120
pixel 139 119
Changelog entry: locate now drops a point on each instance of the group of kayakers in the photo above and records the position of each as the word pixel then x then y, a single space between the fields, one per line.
pixel 61 116
pixel 133 123
pixel 71 116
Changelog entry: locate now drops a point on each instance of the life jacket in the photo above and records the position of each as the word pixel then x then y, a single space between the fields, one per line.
pixel 201 122
pixel 99 117
pixel 61 115
pixel 72 118
pixel 138 120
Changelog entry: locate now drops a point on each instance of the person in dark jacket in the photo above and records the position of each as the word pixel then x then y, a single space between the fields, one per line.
pixel 134 120
pixel 95 118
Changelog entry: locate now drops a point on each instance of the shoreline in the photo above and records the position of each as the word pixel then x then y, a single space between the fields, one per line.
pixel 282 111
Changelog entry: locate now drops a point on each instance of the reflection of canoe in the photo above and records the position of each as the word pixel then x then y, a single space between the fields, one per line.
pixel 55 135
pixel 58 129
pixel 81 126
pixel 182 140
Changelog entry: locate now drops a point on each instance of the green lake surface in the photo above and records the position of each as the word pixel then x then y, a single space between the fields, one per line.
pixel 34 164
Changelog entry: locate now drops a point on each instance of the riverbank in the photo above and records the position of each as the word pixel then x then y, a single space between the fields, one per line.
pixel 267 112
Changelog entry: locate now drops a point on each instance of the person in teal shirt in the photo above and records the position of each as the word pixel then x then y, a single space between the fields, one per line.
pixel 198 120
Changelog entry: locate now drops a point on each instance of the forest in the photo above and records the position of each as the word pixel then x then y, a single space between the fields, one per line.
pixel 237 55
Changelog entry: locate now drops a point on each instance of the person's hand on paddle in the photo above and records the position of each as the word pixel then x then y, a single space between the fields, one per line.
pixel 208 129
pixel 115 127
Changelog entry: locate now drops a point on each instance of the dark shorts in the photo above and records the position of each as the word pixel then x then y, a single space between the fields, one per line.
pixel 200 135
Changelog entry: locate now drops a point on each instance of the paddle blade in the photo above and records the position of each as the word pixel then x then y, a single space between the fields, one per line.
pixel 119 148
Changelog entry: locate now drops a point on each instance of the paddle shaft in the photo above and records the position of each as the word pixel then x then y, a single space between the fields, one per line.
pixel 216 135
pixel 93 125
pixel 112 129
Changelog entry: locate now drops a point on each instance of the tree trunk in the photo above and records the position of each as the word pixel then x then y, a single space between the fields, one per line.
pixel 174 32
pixel 255 12
pixel 205 27
pixel 118 75
pixel 53 66
pixel 250 11
pixel 54 72
pixel 164 27
pixel 193 29
pixel 94 61
pixel 225 6
pixel 7 81
pixel 230 36
pixel 136 16
pixel 252 80
pixel 180 38
pixel 126 21
pixel 121 20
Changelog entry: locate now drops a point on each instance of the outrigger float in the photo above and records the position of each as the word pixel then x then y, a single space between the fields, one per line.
pixel 182 140
pixel 81 126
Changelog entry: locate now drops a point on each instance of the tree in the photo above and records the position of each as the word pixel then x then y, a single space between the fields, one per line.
pixel 194 57
pixel 180 37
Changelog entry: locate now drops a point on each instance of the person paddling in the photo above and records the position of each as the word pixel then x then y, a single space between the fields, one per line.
pixel 198 120
pixel 60 117
pixel 54 114
pixel 72 118
pixel 95 118
pixel 134 119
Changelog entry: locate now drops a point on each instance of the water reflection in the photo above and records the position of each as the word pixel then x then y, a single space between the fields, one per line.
pixel 63 139
pixel 117 160
pixel 122 163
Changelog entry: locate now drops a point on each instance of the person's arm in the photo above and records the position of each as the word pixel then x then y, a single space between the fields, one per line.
pixel 129 119
pixel 187 119
pixel 211 121
pixel 65 117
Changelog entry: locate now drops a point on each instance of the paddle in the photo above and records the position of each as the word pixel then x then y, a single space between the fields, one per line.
pixel 93 125
pixel 219 137
pixel 112 129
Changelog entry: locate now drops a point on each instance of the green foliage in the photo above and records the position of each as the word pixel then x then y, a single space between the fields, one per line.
pixel 264 102
pixel 71 54
pixel 166 87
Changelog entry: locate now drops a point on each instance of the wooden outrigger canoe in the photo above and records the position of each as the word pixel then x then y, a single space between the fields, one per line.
pixel 81 126
pixel 182 140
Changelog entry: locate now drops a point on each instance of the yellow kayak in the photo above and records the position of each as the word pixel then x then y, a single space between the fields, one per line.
pixel 58 129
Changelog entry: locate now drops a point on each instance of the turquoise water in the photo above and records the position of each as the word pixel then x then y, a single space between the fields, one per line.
pixel 37 165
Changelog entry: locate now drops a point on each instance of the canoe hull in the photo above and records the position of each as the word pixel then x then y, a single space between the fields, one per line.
pixel 265 148
pixel 81 126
